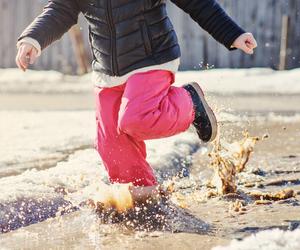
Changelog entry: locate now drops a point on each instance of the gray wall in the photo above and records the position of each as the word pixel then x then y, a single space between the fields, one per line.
pixel 262 17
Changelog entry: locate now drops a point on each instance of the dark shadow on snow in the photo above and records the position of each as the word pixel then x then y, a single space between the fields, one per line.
pixel 290 226
pixel 175 164
pixel 27 211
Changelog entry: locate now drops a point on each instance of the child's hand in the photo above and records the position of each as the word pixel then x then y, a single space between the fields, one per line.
pixel 245 42
pixel 27 54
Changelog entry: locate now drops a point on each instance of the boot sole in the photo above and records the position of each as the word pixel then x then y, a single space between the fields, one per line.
pixel 208 110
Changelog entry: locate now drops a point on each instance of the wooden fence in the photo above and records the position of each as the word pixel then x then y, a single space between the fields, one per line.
pixel 262 17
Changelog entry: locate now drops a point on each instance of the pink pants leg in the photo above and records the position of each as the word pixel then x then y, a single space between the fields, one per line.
pixel 145 107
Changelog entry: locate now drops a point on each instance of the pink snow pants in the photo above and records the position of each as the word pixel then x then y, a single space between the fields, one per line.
pixel 145 107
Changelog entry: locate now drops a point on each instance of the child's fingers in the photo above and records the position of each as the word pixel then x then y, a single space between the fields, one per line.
pixel 250 41
pixel 246 42
pixel 26 55
pixel 246 49
pixel 253 41
pixel 24 60
pixel 18 61
pixel 19 65
pixel 33 56
pixel 250 45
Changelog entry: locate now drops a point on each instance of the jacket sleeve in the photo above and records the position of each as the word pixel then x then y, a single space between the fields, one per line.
pixel 56 19
pixel 212 18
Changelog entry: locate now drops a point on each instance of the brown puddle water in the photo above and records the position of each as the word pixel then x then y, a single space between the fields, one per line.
pixel 229 159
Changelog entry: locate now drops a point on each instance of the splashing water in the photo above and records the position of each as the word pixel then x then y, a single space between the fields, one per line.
pixel 114 204
pixel 116 196
pixel 228 160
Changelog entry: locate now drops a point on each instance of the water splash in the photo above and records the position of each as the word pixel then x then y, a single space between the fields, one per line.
pixel 228 159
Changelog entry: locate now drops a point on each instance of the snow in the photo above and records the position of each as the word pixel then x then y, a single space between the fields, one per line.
pixel 34 135
pixel 269 117
pixel 17 81
pixel 267 240
pixel 245 81
pixel 223 81
pixel 82 167
pixel 27 136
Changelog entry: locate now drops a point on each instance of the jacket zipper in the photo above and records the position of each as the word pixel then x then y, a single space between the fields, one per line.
pixel 114 67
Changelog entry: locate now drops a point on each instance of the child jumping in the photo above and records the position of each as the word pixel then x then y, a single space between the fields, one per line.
pixel 135 57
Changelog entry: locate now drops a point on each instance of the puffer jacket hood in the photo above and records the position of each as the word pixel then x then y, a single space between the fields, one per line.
pixel 127 35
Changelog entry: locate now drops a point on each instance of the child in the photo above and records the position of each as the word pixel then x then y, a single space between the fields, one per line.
pixel 135 56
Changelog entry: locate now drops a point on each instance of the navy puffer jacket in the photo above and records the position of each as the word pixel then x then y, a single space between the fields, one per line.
pixel 129 34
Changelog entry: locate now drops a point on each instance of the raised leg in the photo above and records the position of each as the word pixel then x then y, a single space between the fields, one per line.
pixel 151 108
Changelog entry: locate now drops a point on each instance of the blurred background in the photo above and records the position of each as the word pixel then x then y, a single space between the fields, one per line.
pixel 274 23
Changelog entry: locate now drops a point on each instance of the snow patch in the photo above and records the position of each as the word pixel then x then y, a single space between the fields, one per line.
pixel 27 136
pixel 222 81
pixel 269 117
pixel 267 240
pixel 16 81
pixel 245 81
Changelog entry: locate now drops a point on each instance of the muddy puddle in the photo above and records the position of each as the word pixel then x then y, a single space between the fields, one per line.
pixel 244 183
